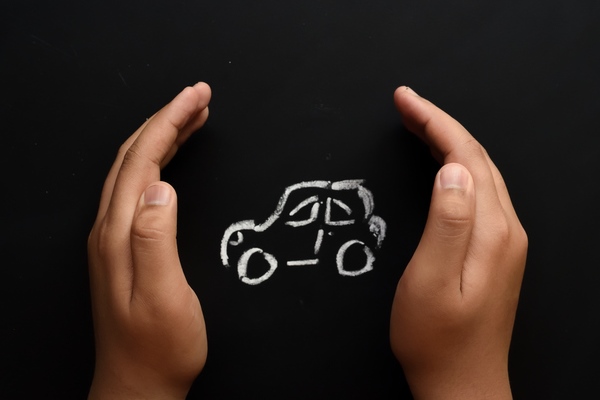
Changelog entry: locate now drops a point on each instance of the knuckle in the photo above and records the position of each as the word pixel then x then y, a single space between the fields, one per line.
pixel 102 242
pixel 521 240
pixel 524 238
pixel 453 218
pixel 470 149
pixel 503 231
pixel 506 236
pixel 139 154
pixel 123 148
pixel 91 240
pixel 500 235
pixel 474 148
pixel 149 227
pixel 130 156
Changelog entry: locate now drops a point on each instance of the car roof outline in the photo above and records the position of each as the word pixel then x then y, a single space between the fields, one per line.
pixel 351 184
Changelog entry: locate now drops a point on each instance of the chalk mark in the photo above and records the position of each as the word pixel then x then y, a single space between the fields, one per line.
pixel 235 235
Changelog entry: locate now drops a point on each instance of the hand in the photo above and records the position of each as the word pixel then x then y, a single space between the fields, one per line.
pixel 148 323
pixel 454 309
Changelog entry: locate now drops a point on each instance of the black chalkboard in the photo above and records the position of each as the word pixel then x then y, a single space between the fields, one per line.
pixel 302 99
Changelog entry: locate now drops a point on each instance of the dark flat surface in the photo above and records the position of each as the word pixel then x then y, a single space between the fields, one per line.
pixel 302 91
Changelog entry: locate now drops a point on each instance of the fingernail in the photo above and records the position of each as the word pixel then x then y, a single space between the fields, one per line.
pixel 453 176
pixel 157 195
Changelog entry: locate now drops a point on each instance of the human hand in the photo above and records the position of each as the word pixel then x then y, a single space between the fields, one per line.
pixel 148 323
pixel 454 308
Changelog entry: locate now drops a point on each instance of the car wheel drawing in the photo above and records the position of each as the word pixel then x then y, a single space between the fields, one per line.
pixel 245 260
pixel 340 258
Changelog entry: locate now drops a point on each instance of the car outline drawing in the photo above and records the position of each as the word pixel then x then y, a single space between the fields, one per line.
pixel 235 235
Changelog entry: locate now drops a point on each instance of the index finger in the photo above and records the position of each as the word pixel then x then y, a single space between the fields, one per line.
pixel 450 142
pixel 155 142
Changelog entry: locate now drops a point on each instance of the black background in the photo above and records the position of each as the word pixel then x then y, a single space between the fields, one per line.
pixel 301 91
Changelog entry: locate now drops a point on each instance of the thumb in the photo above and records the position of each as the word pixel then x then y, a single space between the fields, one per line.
pixel 153 240
pixel 440 256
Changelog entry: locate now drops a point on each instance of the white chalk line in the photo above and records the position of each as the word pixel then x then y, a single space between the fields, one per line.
pixel 340 259
pixel 377 227
pixel 298 263
pixel 243 266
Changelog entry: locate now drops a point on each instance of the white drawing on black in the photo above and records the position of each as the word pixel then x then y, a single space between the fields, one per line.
pixel 324 213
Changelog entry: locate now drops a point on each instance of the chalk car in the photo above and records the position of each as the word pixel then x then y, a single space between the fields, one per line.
pixel 309 217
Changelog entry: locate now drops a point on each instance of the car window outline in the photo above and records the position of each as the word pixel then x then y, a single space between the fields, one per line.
pixel 343 206
pixel 314 212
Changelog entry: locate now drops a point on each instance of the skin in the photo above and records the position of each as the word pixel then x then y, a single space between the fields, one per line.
pixel 455 304
pixel 148 323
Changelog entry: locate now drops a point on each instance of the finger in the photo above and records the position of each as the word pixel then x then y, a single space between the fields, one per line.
pixel 153 241
pixel 502 191
pixel 436 128
pixel 109 183
pixel 139 164
pixel 439 259
pixel 451 142
pixel 196 123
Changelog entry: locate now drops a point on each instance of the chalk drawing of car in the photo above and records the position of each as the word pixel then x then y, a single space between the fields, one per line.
pixel 308 215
